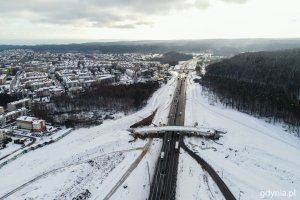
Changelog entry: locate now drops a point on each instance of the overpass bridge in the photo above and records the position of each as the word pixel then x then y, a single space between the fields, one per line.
pixel 183 70
pixel 159 131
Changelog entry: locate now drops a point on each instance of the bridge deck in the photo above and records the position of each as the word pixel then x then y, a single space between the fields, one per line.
pixel 180 129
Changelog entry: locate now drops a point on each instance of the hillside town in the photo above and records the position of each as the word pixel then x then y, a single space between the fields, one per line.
pixel 30 80
pixel 44 74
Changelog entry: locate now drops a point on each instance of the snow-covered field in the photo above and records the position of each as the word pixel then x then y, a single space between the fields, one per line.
pixel 256 159
pixel 69 181
pixel 16 150
pixel 68 167
pixel 193 182
pixel 11 147
pixel 138 182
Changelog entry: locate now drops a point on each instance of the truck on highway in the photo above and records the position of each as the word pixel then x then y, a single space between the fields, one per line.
pixel 177 146
pixel 162 155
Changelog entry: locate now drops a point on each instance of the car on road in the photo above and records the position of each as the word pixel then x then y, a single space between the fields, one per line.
pixel 176 145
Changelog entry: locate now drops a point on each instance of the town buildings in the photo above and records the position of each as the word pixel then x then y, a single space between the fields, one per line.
pixel 11 116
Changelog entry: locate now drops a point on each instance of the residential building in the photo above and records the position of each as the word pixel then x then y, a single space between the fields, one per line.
pixel 25 122
pixel 10 116
pixel 3 78
pixel 1 110
pixel 31 123
pixel 42 92
pixel 19 104
pixel 38 125
pixel 3 136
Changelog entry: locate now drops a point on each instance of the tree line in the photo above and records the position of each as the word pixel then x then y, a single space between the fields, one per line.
pixel 172 58
pixel 215 46
pixel 105 97
pixel 7 98
pixel 265 84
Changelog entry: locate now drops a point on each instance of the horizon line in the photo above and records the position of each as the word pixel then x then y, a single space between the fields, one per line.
pixel 79 41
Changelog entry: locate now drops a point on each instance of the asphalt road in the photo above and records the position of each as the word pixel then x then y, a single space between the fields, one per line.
pixel 214 175
pixel 164 184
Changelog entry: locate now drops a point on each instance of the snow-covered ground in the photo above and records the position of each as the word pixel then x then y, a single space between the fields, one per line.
pixel 11 147
pixel 193 182
pixel 16 150
pixel 138 182
pixel 66 162
pixel 69 181
pixel 190 64
pixel 256 159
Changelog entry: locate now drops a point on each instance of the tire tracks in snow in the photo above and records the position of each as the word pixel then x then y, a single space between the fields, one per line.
pixel 129 171
pixel 57 169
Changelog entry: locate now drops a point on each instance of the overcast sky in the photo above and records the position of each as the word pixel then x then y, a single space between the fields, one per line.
pixel 55 21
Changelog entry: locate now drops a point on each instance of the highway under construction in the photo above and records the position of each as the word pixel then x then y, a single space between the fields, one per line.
pixel 163 186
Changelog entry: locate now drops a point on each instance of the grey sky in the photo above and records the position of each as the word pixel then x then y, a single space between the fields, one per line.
pixel 46 20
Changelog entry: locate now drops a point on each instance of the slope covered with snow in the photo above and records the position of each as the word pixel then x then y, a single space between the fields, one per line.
pixel 254 157
pixel 193 182
pixel 54 170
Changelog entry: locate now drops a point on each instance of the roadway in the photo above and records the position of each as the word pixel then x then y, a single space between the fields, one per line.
pixel 164 183
pixel 163 186
pixel 32 141
pixel 214 175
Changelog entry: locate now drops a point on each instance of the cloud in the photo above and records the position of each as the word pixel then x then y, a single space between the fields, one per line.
pixel 235 1
pixel 100 13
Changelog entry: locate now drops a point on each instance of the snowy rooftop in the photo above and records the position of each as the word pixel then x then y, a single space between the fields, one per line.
pixel 26 118
pixel 38 121
pixel 14 112
pixel 19 101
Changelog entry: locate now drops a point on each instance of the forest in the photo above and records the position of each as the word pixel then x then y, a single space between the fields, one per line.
pixel 99 99
pixel 172 58
pixel 6 98
pixel 265 84
pixel 215 46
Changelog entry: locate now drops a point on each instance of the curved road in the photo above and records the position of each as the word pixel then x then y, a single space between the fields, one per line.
pixel 220 183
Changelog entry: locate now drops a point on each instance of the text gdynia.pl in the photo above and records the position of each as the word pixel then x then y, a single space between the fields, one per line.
pixel 277 193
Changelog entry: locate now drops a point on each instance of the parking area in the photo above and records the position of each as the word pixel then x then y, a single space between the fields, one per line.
pixel 15 139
